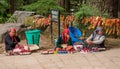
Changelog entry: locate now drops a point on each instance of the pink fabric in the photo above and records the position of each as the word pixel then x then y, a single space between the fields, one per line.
pixel 20 48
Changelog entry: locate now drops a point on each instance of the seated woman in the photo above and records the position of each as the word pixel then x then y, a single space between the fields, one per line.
pixel 11 40
pixel 64 42
pixel 96 39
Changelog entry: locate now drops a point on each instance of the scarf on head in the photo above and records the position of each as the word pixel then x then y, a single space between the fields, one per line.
pixel 13 37
pixel 98 29
pixel 64 38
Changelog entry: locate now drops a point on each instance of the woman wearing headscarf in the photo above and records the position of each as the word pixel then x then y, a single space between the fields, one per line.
pixel 64 42
pixel 11 40
pixel 97 38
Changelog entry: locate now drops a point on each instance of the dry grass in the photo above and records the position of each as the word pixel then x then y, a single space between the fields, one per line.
pixel 112 43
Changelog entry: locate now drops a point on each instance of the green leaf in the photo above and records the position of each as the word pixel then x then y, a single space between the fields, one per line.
pixel 86 11
pixel 43 6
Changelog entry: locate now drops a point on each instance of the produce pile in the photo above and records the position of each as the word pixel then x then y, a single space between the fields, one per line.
pixel 110 26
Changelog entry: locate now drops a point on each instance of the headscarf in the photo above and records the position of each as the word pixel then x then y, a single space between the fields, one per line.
pixel 64 38
pixel 98 29
pixel 12 30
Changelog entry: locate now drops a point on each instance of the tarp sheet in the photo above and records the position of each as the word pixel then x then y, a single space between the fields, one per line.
pixel 75 34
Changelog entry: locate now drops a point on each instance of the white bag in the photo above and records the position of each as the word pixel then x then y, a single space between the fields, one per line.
pixel 33 47
pixel 78 47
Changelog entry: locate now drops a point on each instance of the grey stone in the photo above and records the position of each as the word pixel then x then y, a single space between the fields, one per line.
pixel 5 27
pixel 19 16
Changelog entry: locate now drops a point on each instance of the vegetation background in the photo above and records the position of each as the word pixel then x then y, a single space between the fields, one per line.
pixel 110 8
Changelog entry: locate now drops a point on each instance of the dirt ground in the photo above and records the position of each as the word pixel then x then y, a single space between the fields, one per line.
pixel 112 43
pixel 45 43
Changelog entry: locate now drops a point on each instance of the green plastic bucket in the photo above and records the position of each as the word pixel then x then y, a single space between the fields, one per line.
pixel 32 37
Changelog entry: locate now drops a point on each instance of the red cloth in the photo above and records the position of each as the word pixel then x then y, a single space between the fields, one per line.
pixel 20 46
pixel 65 38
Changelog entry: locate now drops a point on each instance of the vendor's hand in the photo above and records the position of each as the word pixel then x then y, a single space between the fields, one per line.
pixel 68 36
pixel 64 46
pixel 64 49
pixel 80 38
pixel 15 43
pixel 16 34
pixel 90 42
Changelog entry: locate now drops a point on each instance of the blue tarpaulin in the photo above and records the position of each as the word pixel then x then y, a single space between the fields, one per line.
pixel 75 34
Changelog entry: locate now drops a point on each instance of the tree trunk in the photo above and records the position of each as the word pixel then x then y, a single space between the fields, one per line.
pixel 65 4
pixel 119 9
pixel 109 6
pixel 12 6
pixel 115 9
pixel 61 3
pixel 26 2
pixel 112 6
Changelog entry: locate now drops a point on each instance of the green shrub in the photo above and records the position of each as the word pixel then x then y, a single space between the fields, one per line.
pixel 3 15
pixel 43 7
pixel 86 11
